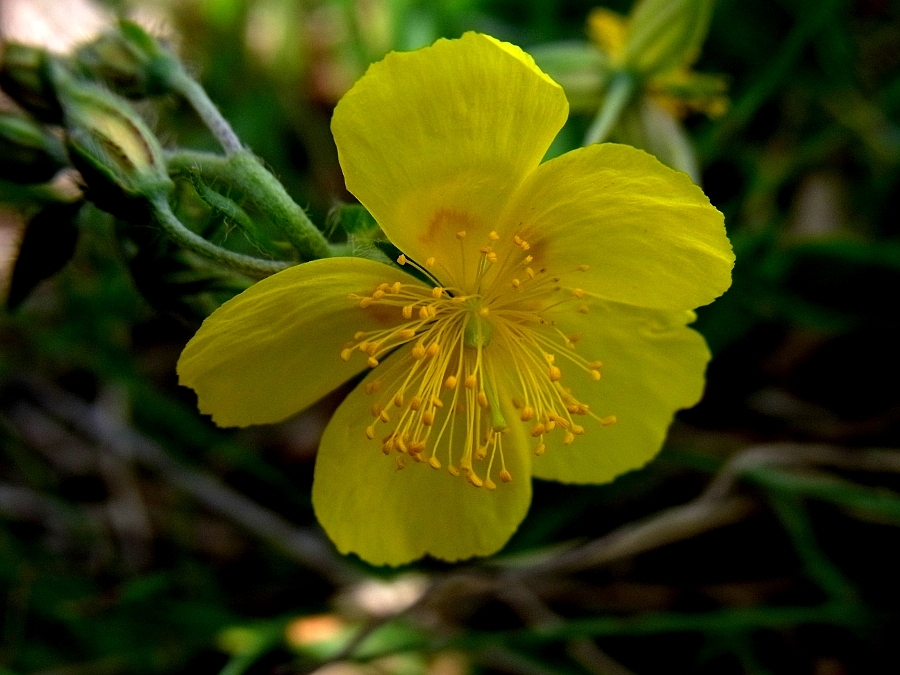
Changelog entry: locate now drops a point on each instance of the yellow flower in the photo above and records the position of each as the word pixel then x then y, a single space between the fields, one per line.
pixel 676 88
pixel 484 365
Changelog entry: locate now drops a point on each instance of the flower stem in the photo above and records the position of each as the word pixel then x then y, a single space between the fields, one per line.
pixel 243 171
pixel 618 95
pixel 255 267
pixel 206 110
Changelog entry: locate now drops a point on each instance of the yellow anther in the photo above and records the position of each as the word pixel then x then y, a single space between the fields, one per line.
pixel 407 311
pixel 582 309
pixel 372 348
pixel 574 337
pixel 527 413
pixel 386 447
pixel 505 476
pixel 450 382
pixel 482 399
pixel 436 402
pixel 371 362
pixel 346 353
pixel 489 484
pixel 453 470
pixel 418 352
pixel 595 374
pixel 563 422
pixel 515 283
pixel 518 404
pixel 583 268
pixel 569 438
pixel 396 287
pixel 540 449
pixel 555 374
pixel 493 236
pixel 481 453
pixel 433 349
pixel 577 429
pixel 492 256
pixel 378 295
pixel 370 432
pixel 578 292
pixel 606 421
pixel 595 364
pixel 398 399
pixel 538 430
pixel 428 418
pixel 383 416
pixel 473 479
pixel 550 425
pixel 529 272
pixel 359 335
pixel 461 234
pixel 483 312
pixel 525 245
pixel 436 292
pixel 400 462
pixel 423 312
pixel 429 262
pixel 375 410
pixel 415 403
pixel 406 334
pixel 402 260
pixel 383 286
pixel 435 463
pixel 373 386
pixel 416 447
pixel 365 302
pixel 470 381
pixel 529 259
pixel 401 444
pixel 485 249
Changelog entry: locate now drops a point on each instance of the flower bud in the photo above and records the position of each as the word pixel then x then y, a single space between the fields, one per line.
pixel 25 77
pixel 664 35
pixel 112 147
pixel 28 154
pixel 128 60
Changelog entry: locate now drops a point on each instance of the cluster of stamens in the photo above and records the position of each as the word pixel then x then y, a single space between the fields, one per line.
pixel 442 397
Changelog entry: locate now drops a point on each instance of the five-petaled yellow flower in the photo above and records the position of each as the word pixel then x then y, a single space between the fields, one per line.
pixel 550 339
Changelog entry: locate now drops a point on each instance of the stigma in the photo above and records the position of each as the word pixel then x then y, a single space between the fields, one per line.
pixel 475 359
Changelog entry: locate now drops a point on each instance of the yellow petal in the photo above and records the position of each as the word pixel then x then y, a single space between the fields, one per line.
pixel 652 366
pixel 391 516
pixel 649 235
pixel 434 141
pixel 276 348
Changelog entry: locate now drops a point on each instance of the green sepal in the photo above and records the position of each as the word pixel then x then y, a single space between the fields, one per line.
pixel 47 245
pixel 25 76
pixel 28 154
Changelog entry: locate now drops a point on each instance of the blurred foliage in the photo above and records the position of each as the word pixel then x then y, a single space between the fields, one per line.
pixel 111 563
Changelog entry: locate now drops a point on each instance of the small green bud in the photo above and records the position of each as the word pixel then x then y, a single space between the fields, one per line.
pixel 664 35
pixel 580 68
pixel 28 154
pixel 116 153
pixel 25 77
pixel 129 61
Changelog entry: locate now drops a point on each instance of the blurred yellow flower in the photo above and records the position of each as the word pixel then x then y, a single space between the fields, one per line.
pixel 484 362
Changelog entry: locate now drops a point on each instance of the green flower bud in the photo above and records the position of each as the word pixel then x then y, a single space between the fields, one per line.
pixel 664 35
pixel 25 77
pixel 129 61
pixel 28 154
pixel 112 147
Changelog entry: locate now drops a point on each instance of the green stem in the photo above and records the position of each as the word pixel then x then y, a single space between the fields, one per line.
pixel 185 85
pixel 255 267
pixel 244 171
pixel 618 95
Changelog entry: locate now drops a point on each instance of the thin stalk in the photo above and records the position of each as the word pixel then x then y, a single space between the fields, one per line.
pixel 206 110
pixel 618 95
pixel 255 267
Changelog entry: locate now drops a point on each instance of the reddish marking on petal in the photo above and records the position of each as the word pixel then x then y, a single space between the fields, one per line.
pixel 444 221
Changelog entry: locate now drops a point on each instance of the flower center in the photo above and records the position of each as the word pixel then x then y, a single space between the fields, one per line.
pixel 478 355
